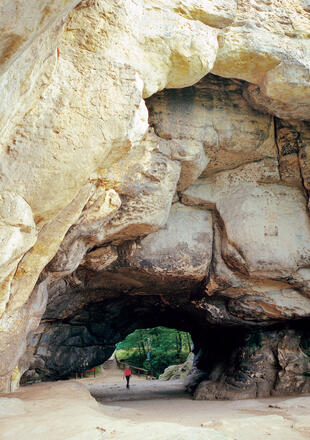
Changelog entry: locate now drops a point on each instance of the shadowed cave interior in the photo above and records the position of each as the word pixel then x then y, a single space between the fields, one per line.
pixel 217 267
pixel 230 361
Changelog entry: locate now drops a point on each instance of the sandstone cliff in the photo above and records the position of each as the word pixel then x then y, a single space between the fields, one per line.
pixel 155 170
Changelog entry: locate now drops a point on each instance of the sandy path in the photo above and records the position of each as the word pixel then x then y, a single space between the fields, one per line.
pixel 151 410
pixel 161 401
pixel 140 390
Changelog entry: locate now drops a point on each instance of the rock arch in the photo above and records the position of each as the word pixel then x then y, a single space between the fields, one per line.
pixel 154 158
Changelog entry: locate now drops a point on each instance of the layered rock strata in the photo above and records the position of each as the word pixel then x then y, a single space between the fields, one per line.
pixel 200 271
pixel 125 205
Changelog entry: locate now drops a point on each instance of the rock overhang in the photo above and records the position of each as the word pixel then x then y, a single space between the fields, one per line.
pixel 103 184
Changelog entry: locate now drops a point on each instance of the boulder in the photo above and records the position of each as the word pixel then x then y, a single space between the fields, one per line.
pixel 180 371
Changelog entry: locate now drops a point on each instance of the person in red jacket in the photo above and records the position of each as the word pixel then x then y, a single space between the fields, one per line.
pixel 127 374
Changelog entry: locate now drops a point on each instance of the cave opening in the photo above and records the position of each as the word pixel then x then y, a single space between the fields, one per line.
pixel 150 351
pixel 230 361
pixel 85 334
pixel 203 240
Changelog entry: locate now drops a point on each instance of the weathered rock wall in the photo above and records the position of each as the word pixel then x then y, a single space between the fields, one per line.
pixel 200 271
pixel 192 201
pixel 272 362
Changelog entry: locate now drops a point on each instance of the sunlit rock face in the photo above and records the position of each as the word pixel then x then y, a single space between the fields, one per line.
pixel 231 259
pixel 214 116
pixel 268 46
pixel 76 123
pixel 138 189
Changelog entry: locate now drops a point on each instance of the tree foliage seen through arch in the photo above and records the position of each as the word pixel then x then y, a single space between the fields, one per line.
pixel 163 346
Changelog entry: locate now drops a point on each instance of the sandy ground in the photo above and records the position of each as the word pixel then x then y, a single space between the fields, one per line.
pixel 161 401
pixel 150 410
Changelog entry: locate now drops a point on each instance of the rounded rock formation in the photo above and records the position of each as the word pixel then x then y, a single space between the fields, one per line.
pixel 154 171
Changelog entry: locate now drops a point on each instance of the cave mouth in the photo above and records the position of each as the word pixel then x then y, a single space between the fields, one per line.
pixel 230 361
pixel 150 351
pixel 84 334
pixel 198 269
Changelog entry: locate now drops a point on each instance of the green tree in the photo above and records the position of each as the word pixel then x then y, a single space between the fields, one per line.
pixel 167 347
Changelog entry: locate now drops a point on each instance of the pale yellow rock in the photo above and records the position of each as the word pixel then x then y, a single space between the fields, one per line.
pixel 269 45
pixel 65 166
pixel 214 115
pixel 21 22
pixel 166 48
pixel 14 328
pixel 268 302
pixel 265 236
pixel 17 230
pixel 76 152
pixel 77 133
pixel 29 34
pixel 183 249
pixel 17 235
pixel 147 181
pixel 303 130
pixel 193 161
pixel 15 378
pixel 17 319
pixel 220 13
pixel 179 371
pixel 102 204
pixel 51 191
pixel 49 239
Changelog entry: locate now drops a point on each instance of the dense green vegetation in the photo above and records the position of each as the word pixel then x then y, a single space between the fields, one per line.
pixel 155 349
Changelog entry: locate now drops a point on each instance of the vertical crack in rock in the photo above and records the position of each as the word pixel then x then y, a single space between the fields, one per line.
pixel 292 143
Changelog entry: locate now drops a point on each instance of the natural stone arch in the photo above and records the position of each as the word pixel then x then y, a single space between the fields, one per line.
pixel 231 361
pixel 170 249
pixel 119 177
pixel 85 333
pixel 172 240
pixel 236 355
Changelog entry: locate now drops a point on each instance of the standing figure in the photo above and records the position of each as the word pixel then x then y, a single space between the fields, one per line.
pixel 127 374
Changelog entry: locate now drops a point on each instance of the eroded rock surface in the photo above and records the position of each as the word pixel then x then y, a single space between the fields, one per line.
pixel 270 362
pixel 268 46
pixel 186 209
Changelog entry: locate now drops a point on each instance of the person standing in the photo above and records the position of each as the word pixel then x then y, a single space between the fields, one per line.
pixel 127 374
